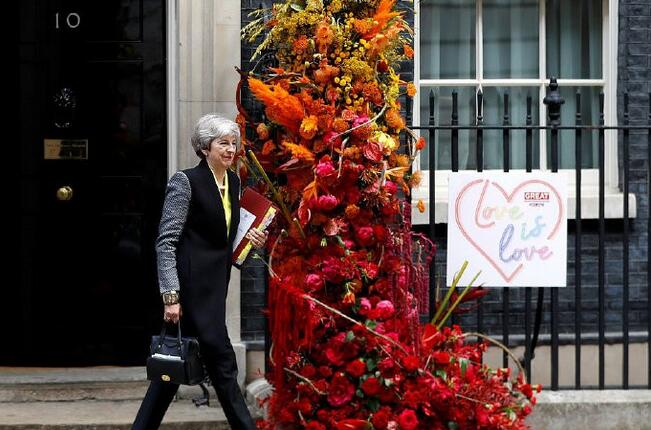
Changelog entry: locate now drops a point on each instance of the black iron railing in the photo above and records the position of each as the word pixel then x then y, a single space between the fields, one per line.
pixel 532 328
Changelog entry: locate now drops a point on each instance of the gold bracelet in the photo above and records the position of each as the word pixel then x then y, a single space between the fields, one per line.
pixel 171 297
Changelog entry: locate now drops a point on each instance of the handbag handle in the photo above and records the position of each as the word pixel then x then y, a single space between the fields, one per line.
pixel 161 338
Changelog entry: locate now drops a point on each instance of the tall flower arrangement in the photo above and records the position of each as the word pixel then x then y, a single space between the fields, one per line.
pixel 348 278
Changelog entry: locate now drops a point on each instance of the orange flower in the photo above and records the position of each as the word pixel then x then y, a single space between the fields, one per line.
pixel 268 147
pixel 301 44
pixel 421 206
pixel 339 125
pixel 416 178
pixel 324 36
pixel 349 298
pixel 352 211
pixel 400 160
pixel 409 51
pixel 394 120
pixel 263 131
pixel 420 144
pixel 411 89
pixel 281 107
pixel 309 127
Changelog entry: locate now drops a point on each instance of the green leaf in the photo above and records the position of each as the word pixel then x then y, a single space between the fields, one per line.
pixel 463 362
pixel 296 7
pixel 452 425
pixel 441 374
pixel 370 364
pixel 371 324
pixel 373 404
pixel 350 336
pixel 359 393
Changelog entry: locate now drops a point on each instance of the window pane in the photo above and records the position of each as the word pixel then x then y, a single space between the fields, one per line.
pixel 494 115
pixel 566 138
pixel 574 37
pixel 447 42
pixel 443 115
pixel 510 39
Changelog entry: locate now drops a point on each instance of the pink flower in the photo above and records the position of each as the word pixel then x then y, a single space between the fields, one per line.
pixel 373 151
pixel 324 168
pixel 390 187
pixel 314 281
pixel 327 202
pixel 385 309
pixel 364 306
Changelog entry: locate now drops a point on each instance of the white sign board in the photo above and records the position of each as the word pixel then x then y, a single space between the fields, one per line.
pixel 511 226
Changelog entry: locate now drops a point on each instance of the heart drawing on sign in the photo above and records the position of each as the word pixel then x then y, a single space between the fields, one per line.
pixel 516 237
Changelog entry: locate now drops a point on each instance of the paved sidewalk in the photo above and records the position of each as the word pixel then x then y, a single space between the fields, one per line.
pixel 92 414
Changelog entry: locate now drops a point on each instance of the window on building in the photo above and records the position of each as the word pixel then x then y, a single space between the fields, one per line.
pixel 514 47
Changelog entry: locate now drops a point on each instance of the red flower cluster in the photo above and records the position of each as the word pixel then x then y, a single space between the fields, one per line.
pixel 348 279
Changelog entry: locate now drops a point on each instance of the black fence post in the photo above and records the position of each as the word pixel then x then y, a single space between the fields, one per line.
pixel 553 100
pixel 602 251
pixel 432 202
pixel 528 344
pixel 625 295
pixel 506 292
pixel 578 152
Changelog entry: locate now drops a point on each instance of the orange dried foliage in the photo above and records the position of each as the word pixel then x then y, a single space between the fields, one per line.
pixel 299 152
pixel 280 106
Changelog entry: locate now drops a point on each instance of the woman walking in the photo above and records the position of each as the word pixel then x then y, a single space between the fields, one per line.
pixel 198 224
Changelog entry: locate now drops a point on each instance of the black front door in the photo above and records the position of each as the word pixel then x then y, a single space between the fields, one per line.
pixel 92 122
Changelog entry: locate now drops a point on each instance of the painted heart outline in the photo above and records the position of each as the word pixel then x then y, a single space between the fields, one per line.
pixel 508 197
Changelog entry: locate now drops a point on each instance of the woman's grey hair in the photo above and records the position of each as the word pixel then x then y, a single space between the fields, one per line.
pixel 210 127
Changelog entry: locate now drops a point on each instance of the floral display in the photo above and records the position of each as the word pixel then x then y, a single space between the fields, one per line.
pixel 348 278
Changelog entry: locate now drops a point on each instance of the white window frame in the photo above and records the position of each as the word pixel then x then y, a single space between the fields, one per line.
pixel 589 188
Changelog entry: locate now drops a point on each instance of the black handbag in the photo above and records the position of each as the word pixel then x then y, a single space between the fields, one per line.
pixel 175 359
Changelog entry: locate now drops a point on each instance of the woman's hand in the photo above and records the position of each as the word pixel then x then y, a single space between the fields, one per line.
pixel 257 237
pixel 172 313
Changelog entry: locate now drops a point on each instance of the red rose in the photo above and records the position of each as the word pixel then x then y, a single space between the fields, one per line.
pixel 410 363
pixel 325 371
pixel 386 364
pixel 364 235
pixel 304 406
pixel 380 419
pixel 380 233
pixel 341 391
pixel 315 425
pixel 356 368
pixel 308 371
pixel 408 420
pixel 333 270
pixel 371 386
pixel 335 355
pixel 441 357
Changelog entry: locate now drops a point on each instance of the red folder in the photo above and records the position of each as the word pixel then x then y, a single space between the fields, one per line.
pixel 255 211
